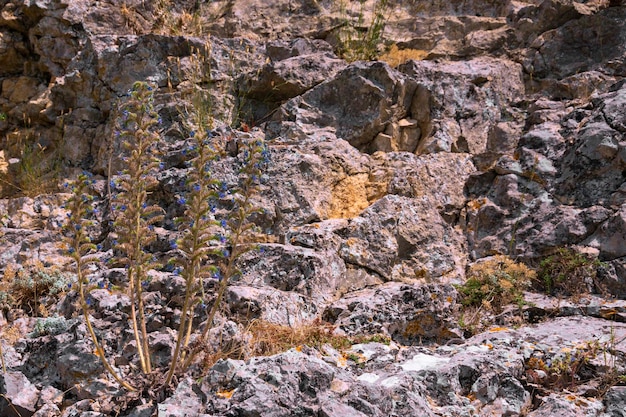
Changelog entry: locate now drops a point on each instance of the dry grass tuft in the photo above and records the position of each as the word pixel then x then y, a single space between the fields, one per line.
pixel 270 338
pixel 266 339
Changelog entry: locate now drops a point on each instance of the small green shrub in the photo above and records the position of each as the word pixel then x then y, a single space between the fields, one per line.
pixel 570 367
pixel 29 284
pixel 358 40
pixel 49 326
pixel 568 272
pixel 6 301
pixel 495 283
pixel 490 286
pixel 36 170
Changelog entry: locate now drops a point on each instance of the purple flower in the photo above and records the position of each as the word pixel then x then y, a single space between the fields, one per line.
pixel 182 201
pixel 223 223
pixel 173 244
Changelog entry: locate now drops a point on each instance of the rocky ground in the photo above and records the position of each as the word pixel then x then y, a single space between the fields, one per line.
pixel 391 182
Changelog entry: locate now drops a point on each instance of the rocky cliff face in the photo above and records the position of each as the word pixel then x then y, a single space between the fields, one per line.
pixel 506 137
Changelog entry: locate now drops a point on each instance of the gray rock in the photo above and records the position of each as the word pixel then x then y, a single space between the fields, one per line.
pixel 270 304
pixel 48 410
pixel 458 104
pixel 387 97
pixel 567 406
pixel 184 402
pixel 610 237
pixel 615 402
pixel 582 44
pixel 314 274
pixel 19 395
pixel 404 238
pixel 295 67
pixel 410 314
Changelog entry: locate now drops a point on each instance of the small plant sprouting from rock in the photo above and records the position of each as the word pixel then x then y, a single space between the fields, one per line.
pixel 134 217
pixel 50 326
pixel 32 285
pixel 83 252
pixel 592 362
pixel 490 286
pixel 358 40
pixel 568 272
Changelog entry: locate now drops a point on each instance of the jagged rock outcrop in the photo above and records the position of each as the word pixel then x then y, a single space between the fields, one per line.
pixel 505 135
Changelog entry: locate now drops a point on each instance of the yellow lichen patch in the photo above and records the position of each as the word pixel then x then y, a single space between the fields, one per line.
pixel 498 329
pixel 414 328
pixel 226 394
pixel 342 361
pixel 349 197
pixel 476 204
pixel 396 56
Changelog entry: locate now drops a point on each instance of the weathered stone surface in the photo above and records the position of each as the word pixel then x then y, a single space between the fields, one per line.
pixel 507 138
pixel 610 238
pixel 19 395
pixel 567 405
pixel 386 97
pixel 410 314
pixel 314 274
pixel 295 67
pixel 269 304
pixel 402 238
pixel 580 44
pixel 615 402
pixel 458 103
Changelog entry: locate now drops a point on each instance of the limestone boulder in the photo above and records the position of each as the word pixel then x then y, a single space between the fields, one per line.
pixel 409 314
pixel 19 395
pixel 588 42
pixel 385 98
pixel 292 269
pixel 403 238
pixel 294 68
pixel 457 104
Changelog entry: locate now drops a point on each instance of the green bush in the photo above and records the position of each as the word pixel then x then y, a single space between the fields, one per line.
pixel 359 40
pixel 490 286
pixel 50 326
pixel 567 272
